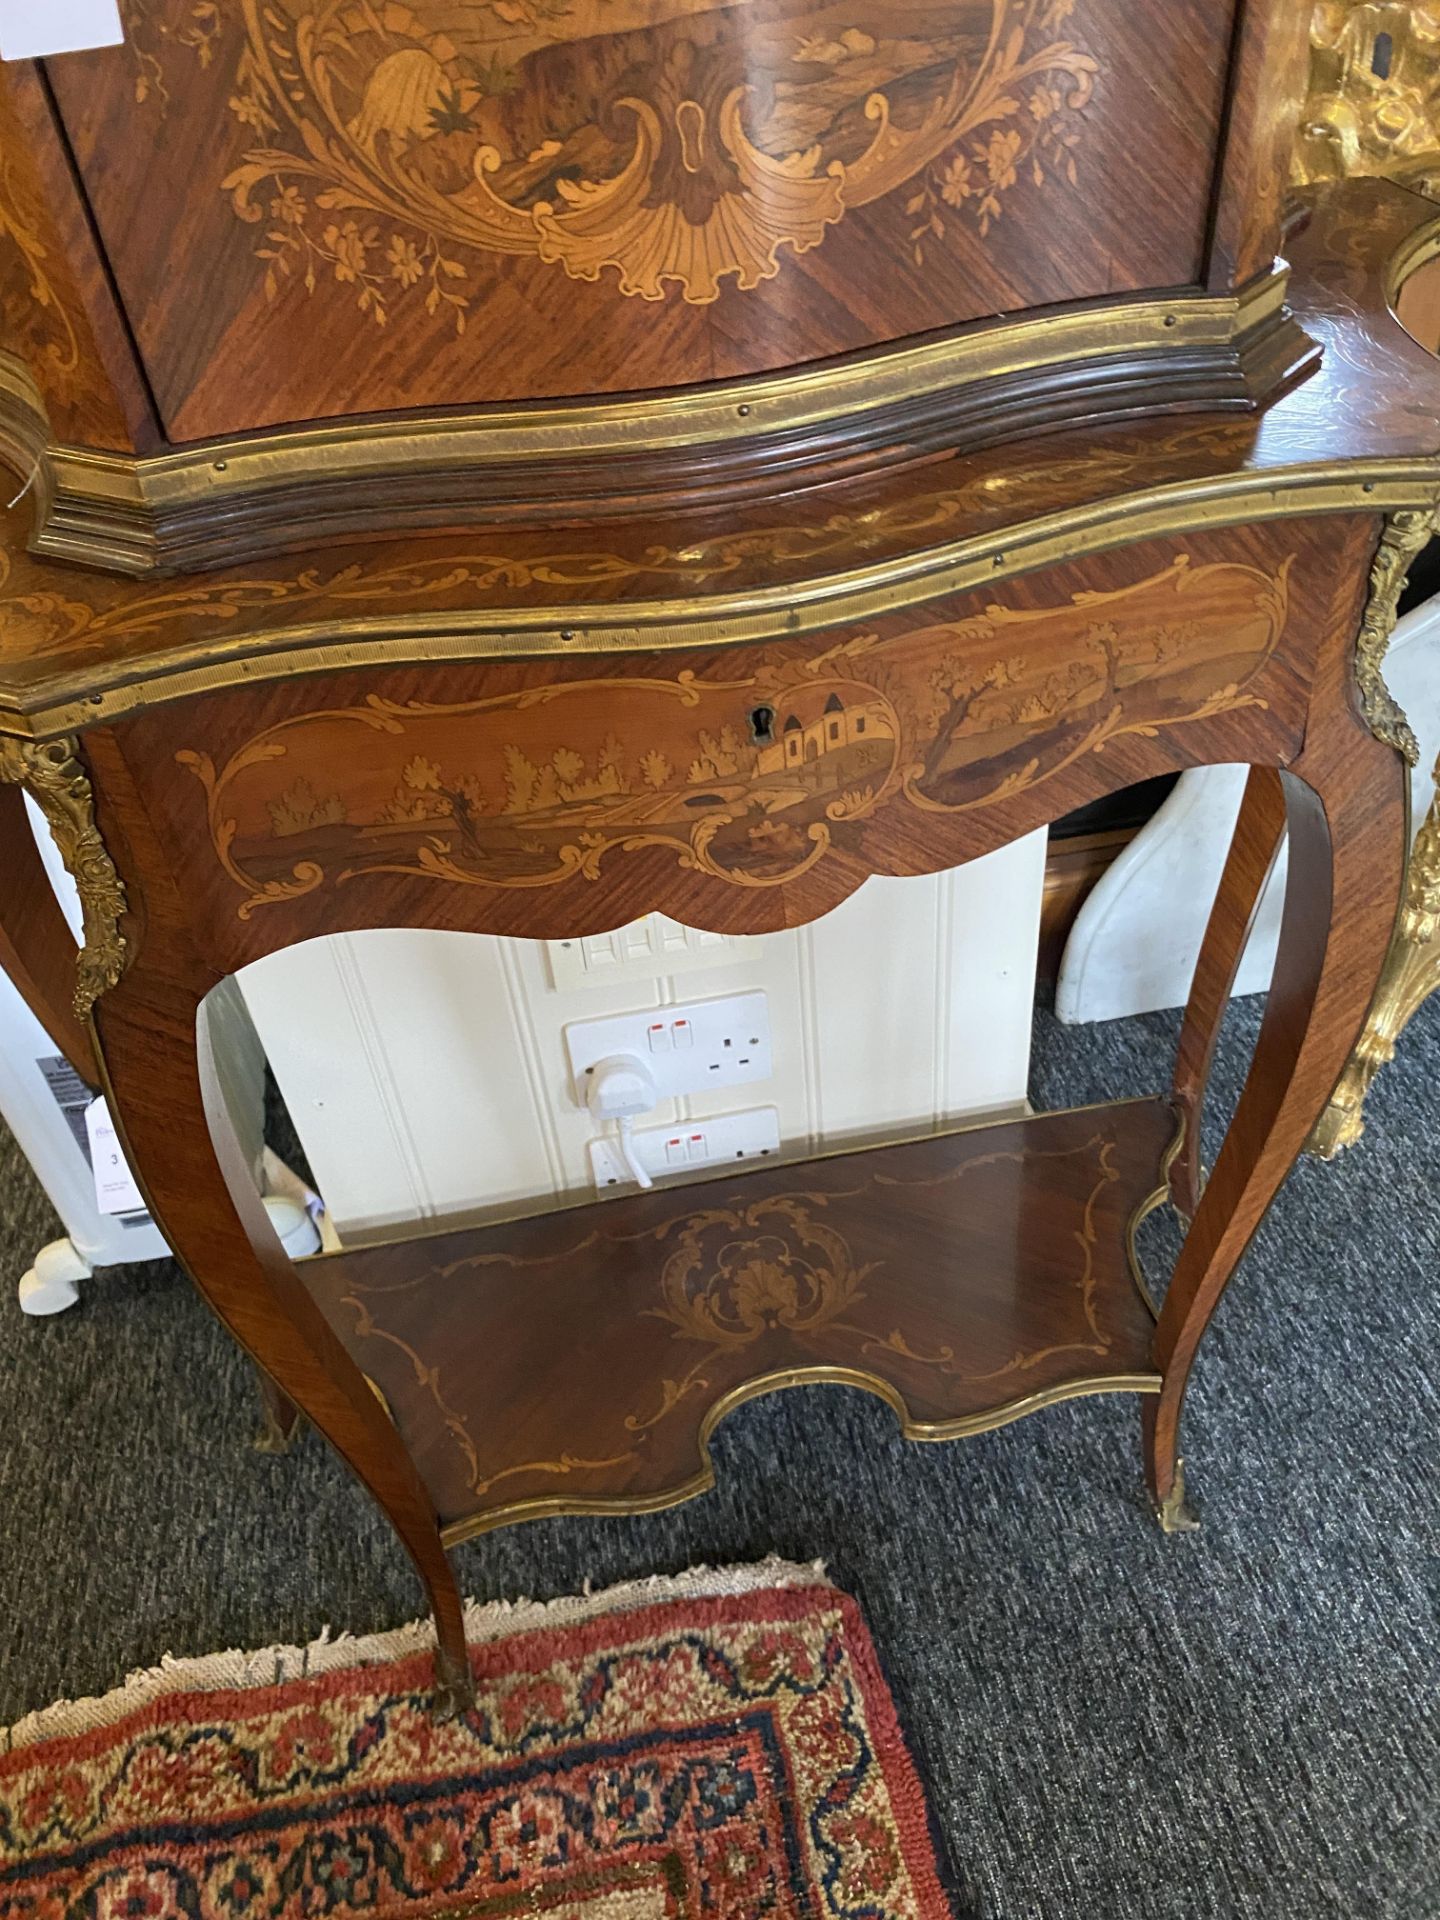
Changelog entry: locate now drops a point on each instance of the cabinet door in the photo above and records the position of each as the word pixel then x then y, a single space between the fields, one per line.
pixel 315 208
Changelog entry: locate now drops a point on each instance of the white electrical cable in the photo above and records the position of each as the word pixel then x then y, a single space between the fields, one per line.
pixel 630 1154
pixel 618 1087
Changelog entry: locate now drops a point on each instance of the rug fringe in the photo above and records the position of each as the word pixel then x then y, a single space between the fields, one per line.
pixel 331 1652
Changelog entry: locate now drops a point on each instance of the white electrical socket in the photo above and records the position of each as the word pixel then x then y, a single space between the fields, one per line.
pixel 700 1047
pixel 648 949
pixel 689 1146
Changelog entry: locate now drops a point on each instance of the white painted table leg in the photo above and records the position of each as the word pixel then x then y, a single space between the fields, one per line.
pixel 53 1283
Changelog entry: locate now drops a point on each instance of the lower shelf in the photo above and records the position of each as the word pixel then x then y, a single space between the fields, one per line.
pixel 577 1361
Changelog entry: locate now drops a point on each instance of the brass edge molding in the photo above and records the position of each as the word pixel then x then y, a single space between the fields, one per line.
pixel 1410 975
pixel 80 698
pixel 115 502
pixel 698 416
pixel 1414 252
pixel 1151 1203
pixel 1406 532
pixel 54 778
pixel 936 1431
pixel 576 1200
pixel 705 415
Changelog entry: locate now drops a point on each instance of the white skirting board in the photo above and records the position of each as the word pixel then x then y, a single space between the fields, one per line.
pixel 1135 941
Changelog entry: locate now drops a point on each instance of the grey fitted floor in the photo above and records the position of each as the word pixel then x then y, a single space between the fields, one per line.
pixel 1237 1722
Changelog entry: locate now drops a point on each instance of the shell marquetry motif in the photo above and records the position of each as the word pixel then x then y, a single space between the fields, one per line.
pixel 662 144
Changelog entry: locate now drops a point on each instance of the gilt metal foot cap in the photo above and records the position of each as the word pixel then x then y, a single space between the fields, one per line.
pixel 1172 1512
pixel 273 1436
pixel 454 1689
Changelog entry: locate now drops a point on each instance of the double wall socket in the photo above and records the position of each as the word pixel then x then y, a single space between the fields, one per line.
pixel 703 1046
pixel 690 1146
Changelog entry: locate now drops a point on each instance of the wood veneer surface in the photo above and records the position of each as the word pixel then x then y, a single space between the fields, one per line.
pixel 563 796
pixel 580 1357
pixel 310 213
pixel 68 632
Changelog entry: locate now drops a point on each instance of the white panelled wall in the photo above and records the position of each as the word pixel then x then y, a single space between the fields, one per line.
pixel 426 1072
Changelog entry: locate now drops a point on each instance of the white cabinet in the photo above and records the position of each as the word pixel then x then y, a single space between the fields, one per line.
pixel 1135 941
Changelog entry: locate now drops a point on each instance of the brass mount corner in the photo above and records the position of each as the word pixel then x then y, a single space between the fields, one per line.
pixel 1412 967
pixel 1411 974
pixel 1406 533
pixel 1373 107
pixel 1373 104
pixel 53 776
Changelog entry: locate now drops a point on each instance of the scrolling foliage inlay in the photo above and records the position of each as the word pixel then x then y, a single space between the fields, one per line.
pixel 737 1278
pixel 671 143
pixel 552 782
pixel 35 295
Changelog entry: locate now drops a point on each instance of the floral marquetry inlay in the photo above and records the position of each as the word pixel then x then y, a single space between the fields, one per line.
pixel 665 146
pixel 753 776
pixel 739 1286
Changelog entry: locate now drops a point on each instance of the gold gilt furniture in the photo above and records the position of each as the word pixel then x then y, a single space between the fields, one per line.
pixel 507 467
pixel 1373 108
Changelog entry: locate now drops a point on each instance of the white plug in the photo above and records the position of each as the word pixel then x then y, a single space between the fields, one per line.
pixel 618 1088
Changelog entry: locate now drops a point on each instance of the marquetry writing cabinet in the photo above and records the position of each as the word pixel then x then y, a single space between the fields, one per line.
pixel 507 468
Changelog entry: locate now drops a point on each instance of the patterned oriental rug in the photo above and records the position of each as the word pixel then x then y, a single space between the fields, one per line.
pixel 722 1745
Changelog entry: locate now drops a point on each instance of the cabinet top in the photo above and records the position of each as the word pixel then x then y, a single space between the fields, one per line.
pixel 715 241
pixel 1363 430
pixel 314 209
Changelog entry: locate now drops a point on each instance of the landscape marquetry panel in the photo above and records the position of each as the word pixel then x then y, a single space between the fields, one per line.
pixel 759 783
pixel 537 197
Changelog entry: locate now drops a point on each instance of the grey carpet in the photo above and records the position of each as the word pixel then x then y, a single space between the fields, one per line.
pixel 1237 1722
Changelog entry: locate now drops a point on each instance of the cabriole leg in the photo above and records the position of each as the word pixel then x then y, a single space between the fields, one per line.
pixel 1346 821
pixel 1259 830
pixel 37 951
pixel 181 1145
